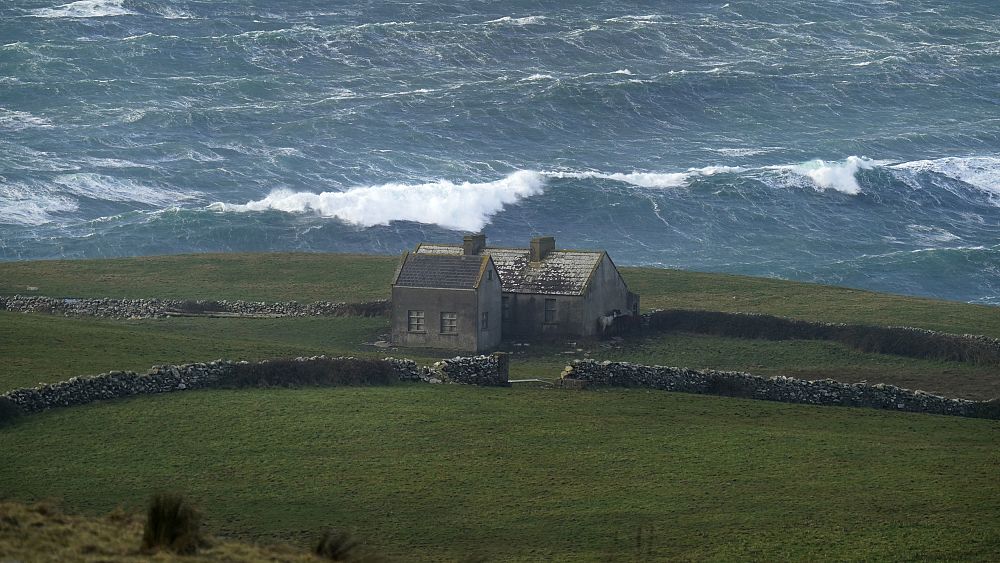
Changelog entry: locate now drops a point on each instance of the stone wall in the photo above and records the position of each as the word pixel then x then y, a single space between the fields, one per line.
pixel 155 308
pixel 898 340
pixel 783 389
pixel 478 370
pixel 491 370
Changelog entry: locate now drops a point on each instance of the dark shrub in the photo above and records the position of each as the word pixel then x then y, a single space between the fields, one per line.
pixel 366 309
pixel 190 306
pixel 326 372
pixel 9 411
pixel 728 386
pixel 172 524
pixel 337 546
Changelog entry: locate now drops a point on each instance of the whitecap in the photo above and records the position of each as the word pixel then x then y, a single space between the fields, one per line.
pixel 981 172
pixel 832 175
pixel 107 188
pixel 467 206
pixel 85 9
pixel 648 179
pixel 527 20
pixel 18 120
pixel 535 77
pixel 20 205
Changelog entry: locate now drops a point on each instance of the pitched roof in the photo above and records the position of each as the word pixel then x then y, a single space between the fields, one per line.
pixel 561 272
pixel 443 271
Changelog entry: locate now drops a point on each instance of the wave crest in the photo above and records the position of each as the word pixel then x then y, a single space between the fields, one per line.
pixel 85 9
pixel 466 206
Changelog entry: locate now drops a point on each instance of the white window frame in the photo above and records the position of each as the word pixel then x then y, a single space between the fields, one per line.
pixel 449 322
pixel 415 321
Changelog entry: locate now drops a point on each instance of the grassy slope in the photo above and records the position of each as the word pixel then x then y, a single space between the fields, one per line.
pixel 441 472
pixel 343 277
pixel 42 532
pixel 40 348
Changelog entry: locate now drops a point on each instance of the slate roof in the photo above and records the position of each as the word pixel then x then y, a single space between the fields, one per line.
pixel 441 271
pixel 562 272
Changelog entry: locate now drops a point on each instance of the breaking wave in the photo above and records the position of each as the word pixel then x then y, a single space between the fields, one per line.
pixel 466 206
pixel 85 9
pixel 649 179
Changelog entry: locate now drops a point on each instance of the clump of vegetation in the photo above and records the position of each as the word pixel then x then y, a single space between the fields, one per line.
pixel 9 411
pixel 190 306
pixel 172 524
pixel 321 372
pixel 337 546
pixel 367 309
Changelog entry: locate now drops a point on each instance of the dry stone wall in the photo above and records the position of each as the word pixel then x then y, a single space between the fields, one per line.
pixel 156 308
pixel 491 370
pixel 783 389
pixel 479 370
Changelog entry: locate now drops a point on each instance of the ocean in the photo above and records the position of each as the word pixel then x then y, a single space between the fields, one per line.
pixel 849 142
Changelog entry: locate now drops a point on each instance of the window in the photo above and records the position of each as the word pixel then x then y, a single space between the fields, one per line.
pixel 550 310
pixel 505 308
pixel 485 323
pixel 489 274
pixel 415 321
pixel 449 323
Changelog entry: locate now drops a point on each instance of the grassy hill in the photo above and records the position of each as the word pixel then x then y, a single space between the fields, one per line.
pixel 450 472
pixel 445 472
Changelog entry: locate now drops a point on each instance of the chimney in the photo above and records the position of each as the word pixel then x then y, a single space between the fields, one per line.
pixel 472 245
pixel 540 248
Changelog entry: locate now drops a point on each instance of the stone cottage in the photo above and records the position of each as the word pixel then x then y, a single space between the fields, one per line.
pixel 446 301
pixel 545 292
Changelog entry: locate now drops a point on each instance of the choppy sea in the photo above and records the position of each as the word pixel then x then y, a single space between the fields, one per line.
pixel 851 142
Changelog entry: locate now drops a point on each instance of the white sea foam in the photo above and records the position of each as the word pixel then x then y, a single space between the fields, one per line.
pixel 827 175
pixel 648 179
pixel 982 172
pixel 107 188
pixel 528 20
pixel 85 9
pixel 467 206
pixel 535 77
pixel 17 120
pixel 20 205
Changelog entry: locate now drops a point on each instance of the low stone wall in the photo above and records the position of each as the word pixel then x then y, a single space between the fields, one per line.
pixel 898 340
pixel 478 370
pixel 156 308
pixel 489 370
pixel 117 384
pixel 783 389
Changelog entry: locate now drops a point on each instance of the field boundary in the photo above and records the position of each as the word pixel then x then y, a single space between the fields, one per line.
pixel 896 340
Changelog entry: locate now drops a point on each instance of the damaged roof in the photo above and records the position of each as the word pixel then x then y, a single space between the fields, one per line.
pixel 561 272
pixel 445 271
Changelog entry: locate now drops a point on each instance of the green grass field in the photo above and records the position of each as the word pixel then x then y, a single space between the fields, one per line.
pixel 444 472
pixel 346 277
pixel 447 472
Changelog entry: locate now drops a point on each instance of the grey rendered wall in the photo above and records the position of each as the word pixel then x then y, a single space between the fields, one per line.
pixel 489 302
pixel 529 316
pixel 432 302
pixel 607 292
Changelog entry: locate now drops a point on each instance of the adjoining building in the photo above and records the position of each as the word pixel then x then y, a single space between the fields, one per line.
pixel 545 293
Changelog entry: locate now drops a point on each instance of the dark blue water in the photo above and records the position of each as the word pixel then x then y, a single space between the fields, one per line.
pixel 846 142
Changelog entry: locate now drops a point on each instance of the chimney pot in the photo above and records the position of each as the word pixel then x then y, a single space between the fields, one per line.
pixel 472 245
pixel 540 248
